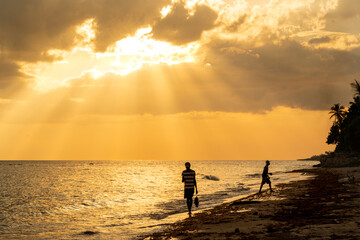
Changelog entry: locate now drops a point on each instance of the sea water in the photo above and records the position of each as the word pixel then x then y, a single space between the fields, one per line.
pixel 117 199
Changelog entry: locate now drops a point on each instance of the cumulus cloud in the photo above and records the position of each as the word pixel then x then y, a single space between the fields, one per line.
pixel 116 19
pixel 30 28
pixel 180 27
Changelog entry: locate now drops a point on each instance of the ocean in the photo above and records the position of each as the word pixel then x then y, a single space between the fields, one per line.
pixel 118 199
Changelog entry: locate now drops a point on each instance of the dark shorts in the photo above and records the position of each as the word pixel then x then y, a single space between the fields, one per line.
pixel 188 193
pixel 265 180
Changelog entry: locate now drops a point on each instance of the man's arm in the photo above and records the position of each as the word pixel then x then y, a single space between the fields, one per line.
pixel 195 184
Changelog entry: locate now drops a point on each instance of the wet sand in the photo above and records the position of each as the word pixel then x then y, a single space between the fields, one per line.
pixel 325 206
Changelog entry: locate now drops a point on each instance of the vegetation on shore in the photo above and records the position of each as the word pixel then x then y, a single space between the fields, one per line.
pixel 345 131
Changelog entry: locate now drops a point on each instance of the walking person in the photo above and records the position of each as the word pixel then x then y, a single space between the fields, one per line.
pixel 188 178
pixel 265 176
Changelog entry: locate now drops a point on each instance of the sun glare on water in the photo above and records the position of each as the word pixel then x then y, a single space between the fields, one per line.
pixel 123 57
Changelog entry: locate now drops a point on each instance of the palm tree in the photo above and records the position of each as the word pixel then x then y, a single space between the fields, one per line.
pixel 356 86
pixel 338 112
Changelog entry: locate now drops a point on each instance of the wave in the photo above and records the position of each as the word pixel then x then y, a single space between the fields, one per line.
pixel 240 188
pixel 255 175
pixel 210 177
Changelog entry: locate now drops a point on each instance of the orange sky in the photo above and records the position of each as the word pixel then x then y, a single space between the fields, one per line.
pixel 162 79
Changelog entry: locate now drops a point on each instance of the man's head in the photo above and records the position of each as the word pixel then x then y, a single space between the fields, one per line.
pixel 187 165
pixel 267 162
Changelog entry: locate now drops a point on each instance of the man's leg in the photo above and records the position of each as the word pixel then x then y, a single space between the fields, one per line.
pixel 262 183
pixel 189 204
pixel 270 187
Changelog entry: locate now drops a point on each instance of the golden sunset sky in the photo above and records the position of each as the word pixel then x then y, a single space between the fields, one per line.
pixel 172 79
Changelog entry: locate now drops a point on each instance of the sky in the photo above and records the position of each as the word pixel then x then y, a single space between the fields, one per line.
pixel 172 79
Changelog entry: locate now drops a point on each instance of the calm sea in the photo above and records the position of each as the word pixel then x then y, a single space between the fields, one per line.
pixel 117 199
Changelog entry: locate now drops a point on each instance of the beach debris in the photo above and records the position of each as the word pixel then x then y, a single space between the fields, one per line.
pixel 210 177
pixel 343 180
pixel 89 233
pixel 237 230
pixel 349 179
pixel 244 202
pixel 270 229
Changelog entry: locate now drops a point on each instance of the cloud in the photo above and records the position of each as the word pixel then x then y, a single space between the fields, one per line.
pixel 234 26
pixel 30 28
pixel 346 9
pixel 117 19
pixel 252 62
pixel 181 27
pixel 345 18
pixel 11 79
pixel 287 73
pixel 319 40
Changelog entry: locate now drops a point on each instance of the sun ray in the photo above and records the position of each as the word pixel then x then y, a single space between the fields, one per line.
pixel 123 57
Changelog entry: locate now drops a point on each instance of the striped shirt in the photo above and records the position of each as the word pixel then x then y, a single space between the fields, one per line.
pixel 189 178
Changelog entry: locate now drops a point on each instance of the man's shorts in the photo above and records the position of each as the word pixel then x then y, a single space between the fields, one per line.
pixel 189 193
pixel 266 180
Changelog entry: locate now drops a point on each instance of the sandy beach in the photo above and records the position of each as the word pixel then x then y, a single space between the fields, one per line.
pixel 325 206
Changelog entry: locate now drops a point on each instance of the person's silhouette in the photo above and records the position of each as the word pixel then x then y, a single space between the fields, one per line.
pixel 265 176
pixel 188 178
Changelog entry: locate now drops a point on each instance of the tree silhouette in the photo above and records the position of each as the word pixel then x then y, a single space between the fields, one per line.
pixel 345 131
pixel 338 112
pixel 334 135
pixel 356 86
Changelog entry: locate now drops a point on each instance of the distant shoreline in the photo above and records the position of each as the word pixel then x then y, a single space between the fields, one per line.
pixel 307 159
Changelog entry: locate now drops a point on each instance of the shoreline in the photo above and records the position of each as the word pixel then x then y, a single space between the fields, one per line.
pixel 327 205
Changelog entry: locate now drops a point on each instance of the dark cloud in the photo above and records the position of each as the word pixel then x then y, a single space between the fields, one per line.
pixel 286 74
pixel 28 28
pixel 117 19
pixel 320 40
pixel 345 18
pixel 31 27
pixel 346 9
pixel 180 27
pixel 233 27
pixel 11 79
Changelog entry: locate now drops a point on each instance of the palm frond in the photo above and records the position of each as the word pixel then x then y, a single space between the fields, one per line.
pixel 356 86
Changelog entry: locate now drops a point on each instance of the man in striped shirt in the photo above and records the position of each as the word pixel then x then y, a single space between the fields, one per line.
pixel 188 177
